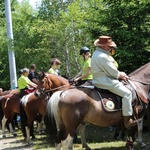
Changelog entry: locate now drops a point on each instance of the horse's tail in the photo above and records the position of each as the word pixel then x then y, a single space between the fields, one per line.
pixel 51 117
pixel 23 118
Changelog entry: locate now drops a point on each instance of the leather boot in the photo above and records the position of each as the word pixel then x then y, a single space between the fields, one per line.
pixel 128 121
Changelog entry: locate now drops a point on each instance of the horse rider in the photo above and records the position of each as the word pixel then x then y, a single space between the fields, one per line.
pixel 107 76
pixel 24 83
pixel 85 75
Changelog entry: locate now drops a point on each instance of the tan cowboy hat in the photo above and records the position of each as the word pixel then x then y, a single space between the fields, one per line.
pixel 105 41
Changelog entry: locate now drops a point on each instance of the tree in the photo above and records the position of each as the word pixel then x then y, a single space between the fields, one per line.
pixel 60 28
pixel 128 24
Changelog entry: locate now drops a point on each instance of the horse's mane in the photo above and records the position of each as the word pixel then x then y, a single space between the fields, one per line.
pixel 43 74
pixel 59 77
pixel 139 69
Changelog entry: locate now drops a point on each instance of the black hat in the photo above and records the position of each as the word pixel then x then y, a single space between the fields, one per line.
pixel 84 50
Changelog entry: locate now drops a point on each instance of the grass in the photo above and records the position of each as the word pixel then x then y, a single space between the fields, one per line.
pixel 97 138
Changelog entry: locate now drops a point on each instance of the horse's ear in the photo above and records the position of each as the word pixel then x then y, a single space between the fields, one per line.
pixel 41 74
pixel 44 74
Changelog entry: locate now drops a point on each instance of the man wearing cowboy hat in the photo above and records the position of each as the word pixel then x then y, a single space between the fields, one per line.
pixel 106 76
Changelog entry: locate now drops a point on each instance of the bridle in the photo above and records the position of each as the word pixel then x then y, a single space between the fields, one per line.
pixel 50 90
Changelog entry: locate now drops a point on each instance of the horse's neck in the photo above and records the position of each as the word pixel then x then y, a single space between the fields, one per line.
pixel 142 74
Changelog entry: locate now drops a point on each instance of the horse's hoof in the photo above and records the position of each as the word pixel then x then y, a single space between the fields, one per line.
pixel 3 136
pixel 15 135
pixel 29 142
pixel 142 145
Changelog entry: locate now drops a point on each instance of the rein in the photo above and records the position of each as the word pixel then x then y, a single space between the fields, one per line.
pixel 54 89
pixel 139 81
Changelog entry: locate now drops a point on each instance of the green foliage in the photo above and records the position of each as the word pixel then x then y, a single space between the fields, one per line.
pixel 128 23
pixel 60 28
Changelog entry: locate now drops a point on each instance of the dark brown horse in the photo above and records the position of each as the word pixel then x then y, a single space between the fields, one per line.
pixel 4 98
pixel 67 109
pixel 31 104
pixel 10 107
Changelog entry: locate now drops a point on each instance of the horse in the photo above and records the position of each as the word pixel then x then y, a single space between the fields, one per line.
pixel 67 109
pixel 10 106
pixel 4 97
pixel 32 104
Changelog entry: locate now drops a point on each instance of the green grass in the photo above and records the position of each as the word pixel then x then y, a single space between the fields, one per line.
pixel 97 138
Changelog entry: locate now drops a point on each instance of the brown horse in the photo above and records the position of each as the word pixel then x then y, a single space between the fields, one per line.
pixel 4 98
pixel 10 107
pixel 67 109
pixel 31 104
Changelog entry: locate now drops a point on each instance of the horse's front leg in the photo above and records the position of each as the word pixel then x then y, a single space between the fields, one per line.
pixel 28 135
pixel 40 125
pixel 140 130
pixel 11 117
pixel 57 146
pixel 67 143
pixel 29 129
pixel 81 130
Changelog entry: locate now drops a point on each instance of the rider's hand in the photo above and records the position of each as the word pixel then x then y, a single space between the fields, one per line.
pixel 123 76
pixel 76 79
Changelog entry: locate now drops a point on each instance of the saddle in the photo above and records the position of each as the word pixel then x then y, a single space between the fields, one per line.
pixel 30 90
pixel 112 102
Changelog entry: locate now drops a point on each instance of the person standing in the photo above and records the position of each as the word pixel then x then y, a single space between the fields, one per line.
pixel 85 75
pixel 107 76
pixel 54 66
pixel 32 74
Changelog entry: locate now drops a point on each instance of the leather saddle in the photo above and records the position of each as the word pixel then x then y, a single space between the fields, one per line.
pixel 112 102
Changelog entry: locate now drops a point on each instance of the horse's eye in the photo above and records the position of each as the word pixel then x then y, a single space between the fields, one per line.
pixel 42 82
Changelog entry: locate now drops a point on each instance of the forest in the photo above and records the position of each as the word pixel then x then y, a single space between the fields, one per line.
pixel 59 28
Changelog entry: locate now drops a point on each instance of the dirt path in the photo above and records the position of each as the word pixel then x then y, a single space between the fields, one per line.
pixel 18 143
pixel 13 143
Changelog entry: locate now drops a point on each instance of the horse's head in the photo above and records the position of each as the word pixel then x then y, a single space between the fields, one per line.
pixel 44 82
